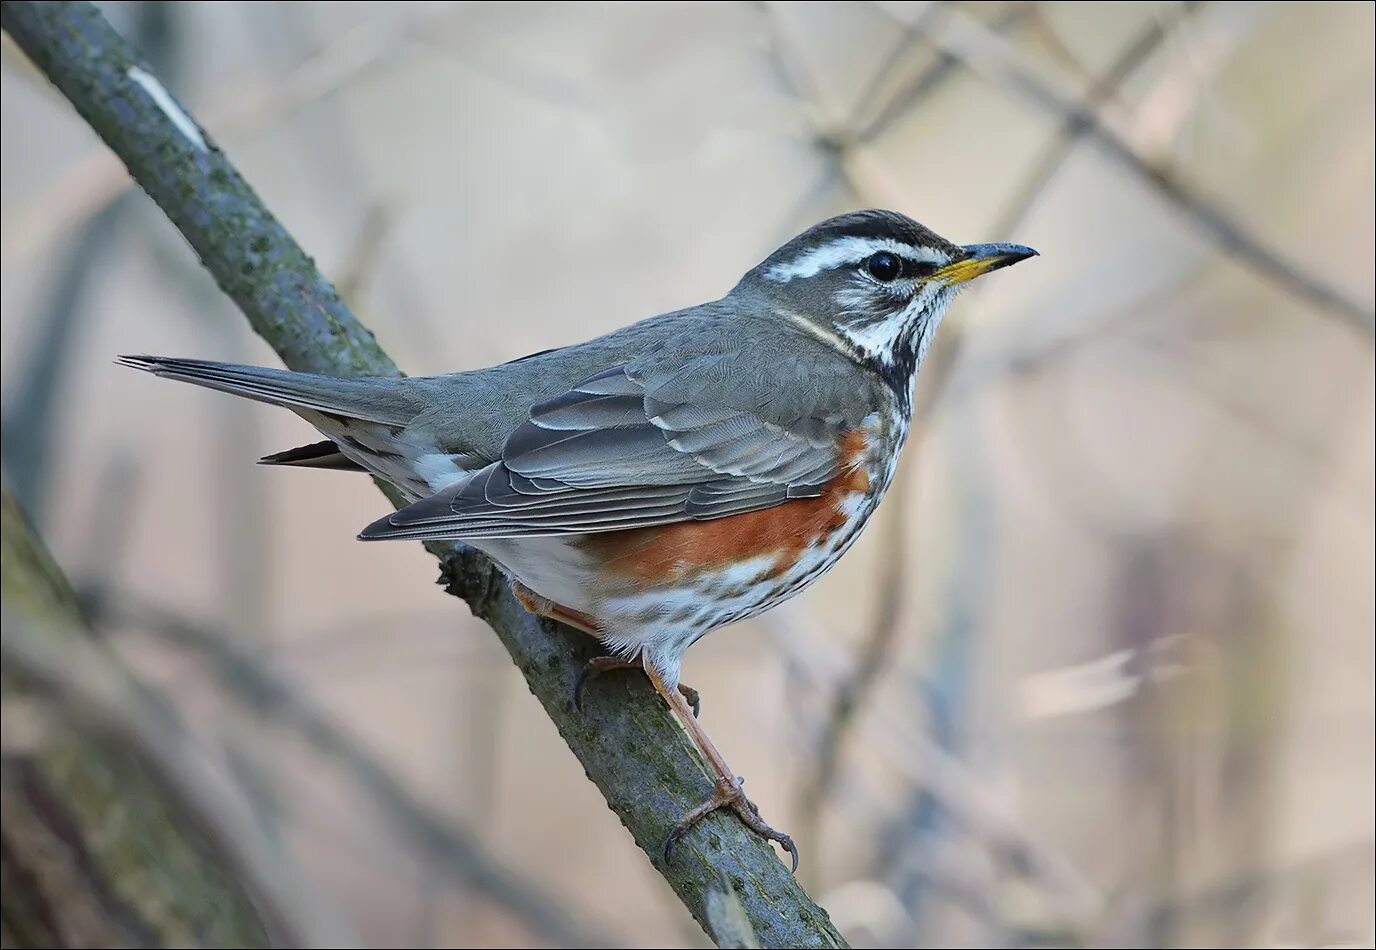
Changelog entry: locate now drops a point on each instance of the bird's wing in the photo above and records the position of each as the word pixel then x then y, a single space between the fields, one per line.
pixel 653 441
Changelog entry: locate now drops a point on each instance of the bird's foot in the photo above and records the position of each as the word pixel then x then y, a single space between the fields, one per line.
pixel 603 664
pixel 727 794
pixel 727 790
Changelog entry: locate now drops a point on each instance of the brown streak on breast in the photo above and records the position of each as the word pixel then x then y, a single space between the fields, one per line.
pixel 672 552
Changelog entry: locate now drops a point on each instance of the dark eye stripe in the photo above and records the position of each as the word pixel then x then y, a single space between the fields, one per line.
pixel 916 270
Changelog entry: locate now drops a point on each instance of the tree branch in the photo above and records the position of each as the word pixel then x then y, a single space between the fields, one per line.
pixel 628 742
pixel 116 830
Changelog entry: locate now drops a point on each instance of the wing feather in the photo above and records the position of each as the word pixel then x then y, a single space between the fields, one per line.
pixel 650 442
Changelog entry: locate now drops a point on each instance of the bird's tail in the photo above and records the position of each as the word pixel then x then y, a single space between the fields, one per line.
pixel 367 398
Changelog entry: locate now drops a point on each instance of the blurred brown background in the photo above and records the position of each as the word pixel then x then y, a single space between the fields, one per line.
pixel 1109 648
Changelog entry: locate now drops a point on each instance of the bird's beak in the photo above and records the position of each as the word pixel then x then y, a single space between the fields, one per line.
pixel 980 259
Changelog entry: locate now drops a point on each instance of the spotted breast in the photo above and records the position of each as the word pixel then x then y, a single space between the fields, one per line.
pixel 655 590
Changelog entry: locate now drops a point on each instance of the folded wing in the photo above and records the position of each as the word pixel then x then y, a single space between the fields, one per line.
pixel 645 443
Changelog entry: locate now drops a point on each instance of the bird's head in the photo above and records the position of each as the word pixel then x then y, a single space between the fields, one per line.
pixel 874 282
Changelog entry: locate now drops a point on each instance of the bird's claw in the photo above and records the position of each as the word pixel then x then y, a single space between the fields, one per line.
pixel 693 698
pixel 725 795
pixel 602 664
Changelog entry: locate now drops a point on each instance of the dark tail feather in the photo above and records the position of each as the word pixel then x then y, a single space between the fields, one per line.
pixel 365 398
pixel 316 455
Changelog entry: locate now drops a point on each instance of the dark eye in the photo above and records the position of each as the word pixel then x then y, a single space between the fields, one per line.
pixel 884 266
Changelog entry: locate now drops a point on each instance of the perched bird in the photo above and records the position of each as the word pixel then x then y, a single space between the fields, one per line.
pixel 670 477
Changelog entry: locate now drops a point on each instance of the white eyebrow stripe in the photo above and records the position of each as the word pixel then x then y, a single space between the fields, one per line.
pixel 850 250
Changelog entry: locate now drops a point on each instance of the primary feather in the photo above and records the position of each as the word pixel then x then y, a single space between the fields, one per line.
pixel 371 399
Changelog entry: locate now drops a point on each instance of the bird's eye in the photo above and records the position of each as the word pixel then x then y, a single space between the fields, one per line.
pixel 884 266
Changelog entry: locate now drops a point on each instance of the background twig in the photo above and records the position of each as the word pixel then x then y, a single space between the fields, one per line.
pixel 994 58
pixel 452 849
pixel 113 814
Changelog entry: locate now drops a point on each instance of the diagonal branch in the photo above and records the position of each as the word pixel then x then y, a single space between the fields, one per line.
pixel 931 78
pixel 628 742
pixel 1103 89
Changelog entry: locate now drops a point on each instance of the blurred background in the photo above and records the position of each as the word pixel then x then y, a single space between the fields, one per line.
pixel 1100 672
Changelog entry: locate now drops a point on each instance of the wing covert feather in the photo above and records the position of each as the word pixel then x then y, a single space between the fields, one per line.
pixel 670 436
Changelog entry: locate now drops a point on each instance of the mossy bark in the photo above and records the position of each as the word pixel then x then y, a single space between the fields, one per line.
pixel 94 849
pixel 627 741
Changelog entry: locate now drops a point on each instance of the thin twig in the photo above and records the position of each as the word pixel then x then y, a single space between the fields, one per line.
pixel 34 404
pixel 897 105
pixel 960 791
pixel 1183 86
pixel 1104 89
pixel 93 182
pixel 930 79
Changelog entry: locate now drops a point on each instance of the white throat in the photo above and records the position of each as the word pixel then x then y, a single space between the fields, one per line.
pixel 884 340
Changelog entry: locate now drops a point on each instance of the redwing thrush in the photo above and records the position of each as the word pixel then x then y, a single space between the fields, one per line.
pixel 675 475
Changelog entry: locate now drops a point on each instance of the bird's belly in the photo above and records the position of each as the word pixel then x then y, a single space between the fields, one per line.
pixel 661 588
pixel 554 567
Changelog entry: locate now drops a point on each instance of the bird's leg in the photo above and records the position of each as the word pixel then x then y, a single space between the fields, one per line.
pixel 727 791
pixel 544 607
pixel 602 664
pixel 684 701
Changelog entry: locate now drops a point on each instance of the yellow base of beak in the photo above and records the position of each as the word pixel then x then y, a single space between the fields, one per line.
pixel 981 260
